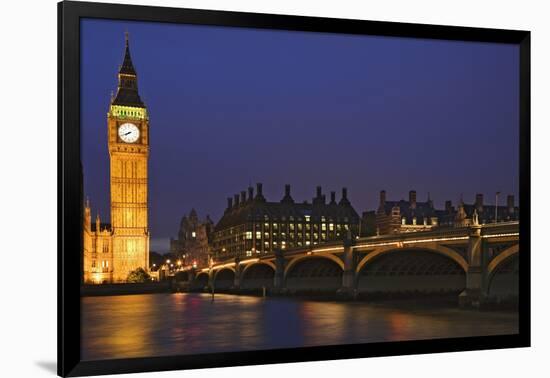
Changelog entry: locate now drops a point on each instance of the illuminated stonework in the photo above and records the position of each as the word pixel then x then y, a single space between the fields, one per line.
pixel 127 237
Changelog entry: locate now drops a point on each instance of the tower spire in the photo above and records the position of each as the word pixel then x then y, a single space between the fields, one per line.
pixel 127 92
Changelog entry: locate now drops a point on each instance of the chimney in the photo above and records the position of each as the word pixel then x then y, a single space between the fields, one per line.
pixel 382 197
pixel 243 197
pixel 510 203
pixel 448 206
pixel 344 201
pixel 332 197
pixel 412 199
pixel 479 201
pixel 229 203
pixel 250 193
pixel 236 200
pixel 287 198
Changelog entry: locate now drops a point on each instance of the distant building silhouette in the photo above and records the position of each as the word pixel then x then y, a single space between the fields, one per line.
pixel 394 217
pixel 192 244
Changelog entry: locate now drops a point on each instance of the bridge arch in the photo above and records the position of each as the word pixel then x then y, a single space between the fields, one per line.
pixel 500 258
pixel 200 281
pixel 257 275
pixel 224 278
pixel 298 259
pixel 248 266
pixel 318 272
pixel 409 270
pixel 503 273
pixel 445 251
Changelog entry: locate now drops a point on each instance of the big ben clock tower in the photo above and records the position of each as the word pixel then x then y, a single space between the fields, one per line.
pixel 128 139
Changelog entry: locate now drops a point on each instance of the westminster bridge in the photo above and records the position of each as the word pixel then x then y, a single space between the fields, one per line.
pixel 480 262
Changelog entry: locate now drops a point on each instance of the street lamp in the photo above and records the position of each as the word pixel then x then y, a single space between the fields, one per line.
pixel 496 207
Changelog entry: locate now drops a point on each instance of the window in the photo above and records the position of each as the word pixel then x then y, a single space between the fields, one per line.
pixel 403 221
pixel 248 235
pixel 193 234
pixel 324 227
pixel 308 242
pixel 331 226
pixel 307 218
pixel 249 253
pixel 259 234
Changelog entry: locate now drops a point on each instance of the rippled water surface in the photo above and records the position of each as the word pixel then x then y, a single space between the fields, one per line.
pixel 170 324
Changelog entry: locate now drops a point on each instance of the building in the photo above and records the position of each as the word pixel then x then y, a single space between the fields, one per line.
pixel 466 213
pixel 98 249
pixel 112 251
pixel 251 226
pixel 394 217
pixel 192 247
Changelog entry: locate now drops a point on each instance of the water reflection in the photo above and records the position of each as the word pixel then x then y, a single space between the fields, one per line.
pixel 169 324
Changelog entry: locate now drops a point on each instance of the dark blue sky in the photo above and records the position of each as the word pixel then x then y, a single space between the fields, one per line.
pixel 232 106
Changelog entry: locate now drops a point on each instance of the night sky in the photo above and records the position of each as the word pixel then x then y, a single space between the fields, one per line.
pixel 231 107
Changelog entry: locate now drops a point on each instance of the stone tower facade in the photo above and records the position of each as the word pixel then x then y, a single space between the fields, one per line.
pixel 128 145
pixel 128 139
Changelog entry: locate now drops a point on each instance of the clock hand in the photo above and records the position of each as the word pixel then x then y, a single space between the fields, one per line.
pixel 129 132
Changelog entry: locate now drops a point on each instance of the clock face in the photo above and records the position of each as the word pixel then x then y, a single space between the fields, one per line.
pixel 128 132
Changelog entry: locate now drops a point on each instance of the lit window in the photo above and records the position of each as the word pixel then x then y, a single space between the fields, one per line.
pixel 249 253
pixel 307 218
pixel 193 234
pixel 308 242
pixel 258 235
pixel 324 227
pixel 414 221
pixel 403 221
pixel 331 226
pixel 249 235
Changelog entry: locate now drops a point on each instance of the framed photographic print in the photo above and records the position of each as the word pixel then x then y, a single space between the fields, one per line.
pixel 241 188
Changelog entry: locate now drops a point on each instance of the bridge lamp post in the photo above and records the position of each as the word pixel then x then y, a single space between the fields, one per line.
pixel 496 206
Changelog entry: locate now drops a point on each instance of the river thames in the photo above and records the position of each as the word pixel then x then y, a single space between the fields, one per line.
pixel 173 324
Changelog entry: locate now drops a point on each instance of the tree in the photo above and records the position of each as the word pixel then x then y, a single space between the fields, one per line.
pixel 138 275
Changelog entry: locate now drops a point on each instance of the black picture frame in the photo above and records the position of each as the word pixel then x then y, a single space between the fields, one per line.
pixel 70 190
